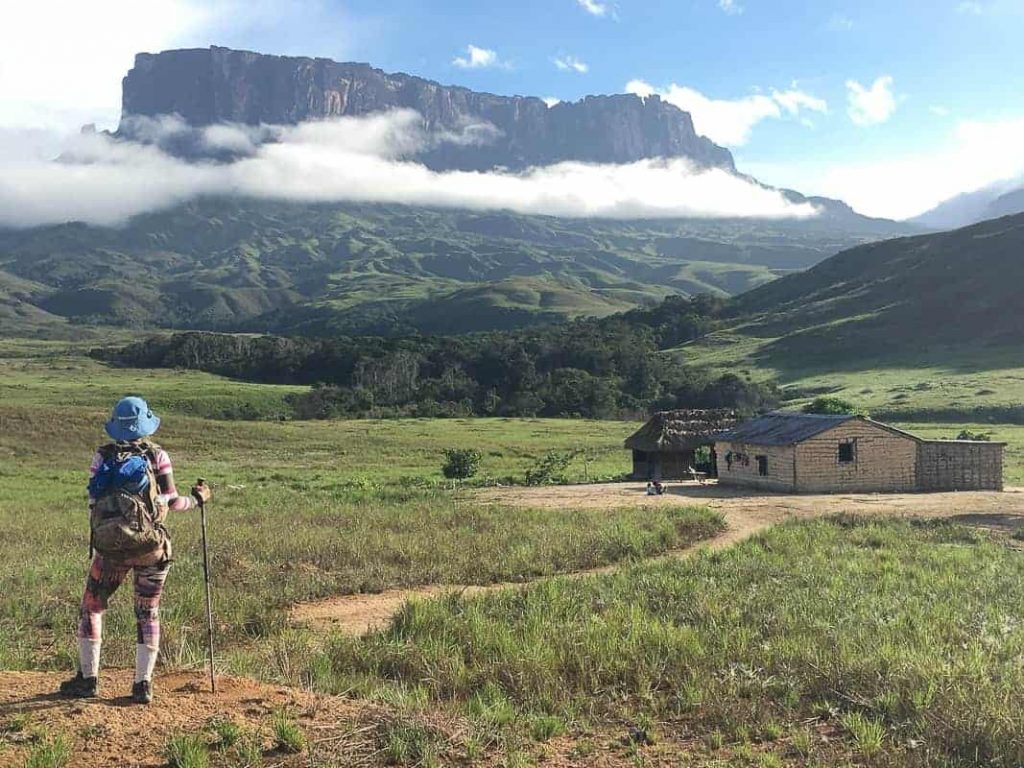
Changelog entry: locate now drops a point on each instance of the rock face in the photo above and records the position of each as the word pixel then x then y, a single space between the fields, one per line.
pixel 217 85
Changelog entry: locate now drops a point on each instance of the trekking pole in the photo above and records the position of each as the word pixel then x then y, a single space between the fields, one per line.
pixel 206 578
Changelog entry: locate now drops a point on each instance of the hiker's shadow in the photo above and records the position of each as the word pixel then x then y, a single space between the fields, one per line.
pixel 48 701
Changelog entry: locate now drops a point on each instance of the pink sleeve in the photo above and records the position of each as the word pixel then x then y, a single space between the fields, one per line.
pixel 97 459
pixel 165 478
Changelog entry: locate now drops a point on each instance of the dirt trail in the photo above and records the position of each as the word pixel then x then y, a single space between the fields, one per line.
pixel 745 514
pixel 111 731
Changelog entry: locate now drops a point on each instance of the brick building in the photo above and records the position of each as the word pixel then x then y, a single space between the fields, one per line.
pixel 809 453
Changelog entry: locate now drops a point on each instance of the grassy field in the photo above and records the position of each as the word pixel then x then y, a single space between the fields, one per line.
pixel 985 384
pixel 834 642
pixel 830 642
pixel 303 510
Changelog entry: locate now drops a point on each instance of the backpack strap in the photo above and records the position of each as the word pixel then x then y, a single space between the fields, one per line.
pixel 150 450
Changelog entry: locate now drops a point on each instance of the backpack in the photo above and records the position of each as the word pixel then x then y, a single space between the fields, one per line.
pixel 126 519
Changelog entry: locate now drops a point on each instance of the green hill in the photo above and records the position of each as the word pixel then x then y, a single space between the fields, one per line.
pixel 247 265
pixel 917 329
pixel 952 289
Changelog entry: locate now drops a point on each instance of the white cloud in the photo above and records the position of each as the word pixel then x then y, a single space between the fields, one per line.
pixel 594 7
pixel 61 61
pixel 730 122
pixel 939 111
pixel 975 154
pixel 972 7
pixel 793 100
pixel 571 64
pixel 731 7
pixel 870 106
pixel 551 101
pixel 477 58
pixel 103 181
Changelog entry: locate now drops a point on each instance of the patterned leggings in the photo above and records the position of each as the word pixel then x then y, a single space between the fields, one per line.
pixel 104 579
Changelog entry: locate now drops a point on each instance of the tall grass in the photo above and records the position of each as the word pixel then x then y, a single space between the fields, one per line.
pixel 908 633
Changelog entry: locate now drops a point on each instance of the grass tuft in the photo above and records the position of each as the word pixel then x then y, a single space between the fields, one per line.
pixel 226 732
pixel 288 737
pixel 51 752
pixel 868 734
pixel 187 750
pixel 407 741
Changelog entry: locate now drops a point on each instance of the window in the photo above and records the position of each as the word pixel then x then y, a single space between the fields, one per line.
pixel 847 453
pixel 762 466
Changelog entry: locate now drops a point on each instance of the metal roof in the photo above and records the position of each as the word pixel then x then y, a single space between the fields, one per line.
pixel 781 428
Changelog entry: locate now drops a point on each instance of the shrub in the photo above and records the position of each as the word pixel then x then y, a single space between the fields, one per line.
pixel 966 434
pixel 549 469
pixel 830 405
pixel 460 463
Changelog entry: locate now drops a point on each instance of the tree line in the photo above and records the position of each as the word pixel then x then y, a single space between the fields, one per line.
pixel 596 368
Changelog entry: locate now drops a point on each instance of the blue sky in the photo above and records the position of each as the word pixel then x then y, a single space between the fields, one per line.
pixel 892 106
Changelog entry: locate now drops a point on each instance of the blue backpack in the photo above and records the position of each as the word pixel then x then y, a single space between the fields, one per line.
pixel 125 520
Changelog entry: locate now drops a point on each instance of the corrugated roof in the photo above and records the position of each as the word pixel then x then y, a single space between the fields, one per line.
pixel 781 428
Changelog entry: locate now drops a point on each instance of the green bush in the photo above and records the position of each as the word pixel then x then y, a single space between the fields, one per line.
pixel 830 406
pixel 549 469
pixel 966 434
pixel 460 463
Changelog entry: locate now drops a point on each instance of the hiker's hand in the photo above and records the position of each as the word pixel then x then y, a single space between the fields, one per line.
pixel 201 492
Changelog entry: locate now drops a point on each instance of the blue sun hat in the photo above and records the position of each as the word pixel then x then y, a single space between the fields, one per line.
pixel 132 420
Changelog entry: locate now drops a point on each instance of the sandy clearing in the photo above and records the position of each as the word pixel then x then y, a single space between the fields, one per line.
pixel 745 513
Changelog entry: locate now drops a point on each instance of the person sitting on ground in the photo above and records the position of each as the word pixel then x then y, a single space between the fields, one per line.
pixel 659 489
pixel 650 488
pixel 131 489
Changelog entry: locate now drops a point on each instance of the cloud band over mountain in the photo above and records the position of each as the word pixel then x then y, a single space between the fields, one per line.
pixel 105 181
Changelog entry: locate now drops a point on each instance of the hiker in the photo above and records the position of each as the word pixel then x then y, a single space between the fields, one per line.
pixel 131 489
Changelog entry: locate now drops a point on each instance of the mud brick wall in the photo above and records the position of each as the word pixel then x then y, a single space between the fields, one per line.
pixel 666 465
pixel 959 466
pixel 883 461
pixel 744 472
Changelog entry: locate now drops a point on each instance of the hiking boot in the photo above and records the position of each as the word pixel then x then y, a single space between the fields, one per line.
pixel 79 687
pixel 142 692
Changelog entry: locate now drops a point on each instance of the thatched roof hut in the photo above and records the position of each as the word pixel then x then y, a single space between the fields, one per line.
pixel 665 447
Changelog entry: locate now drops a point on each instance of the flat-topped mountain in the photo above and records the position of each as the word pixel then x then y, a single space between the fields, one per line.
pixel 219 85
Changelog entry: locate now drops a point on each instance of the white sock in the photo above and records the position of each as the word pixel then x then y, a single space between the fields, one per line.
pixel 145 662
pixel 89 657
